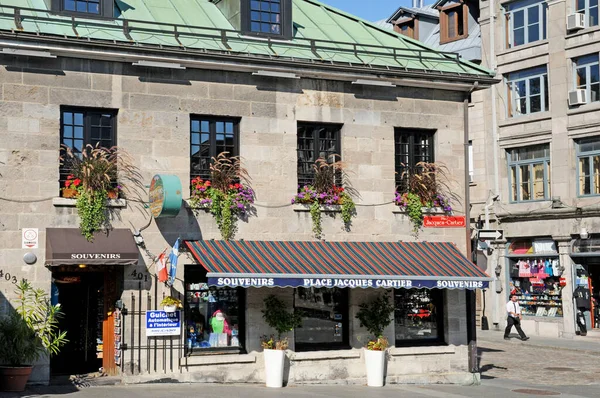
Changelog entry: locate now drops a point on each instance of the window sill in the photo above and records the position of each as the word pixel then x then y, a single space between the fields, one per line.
pixel 68 202
pixel 425 210
pixel 581 33
pixel 534 117
pixel 512 50
pixel 321 355
pixel 216 359
pixel 325 209
pixel 426 350
pixel 594 106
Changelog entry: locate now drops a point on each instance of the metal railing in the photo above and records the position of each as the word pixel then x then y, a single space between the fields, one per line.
pixel 226 36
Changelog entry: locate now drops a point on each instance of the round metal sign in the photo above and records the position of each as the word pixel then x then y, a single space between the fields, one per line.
pixel 165 196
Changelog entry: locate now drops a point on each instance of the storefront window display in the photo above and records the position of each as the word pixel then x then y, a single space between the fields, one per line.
pixel 536 277
pixel 418 316
pixel 214 316
pixel 324 318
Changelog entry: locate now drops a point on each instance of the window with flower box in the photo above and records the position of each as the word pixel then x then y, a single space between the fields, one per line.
pixel 210 136
pixel 316 140
pixel 412 147
pixel 86 126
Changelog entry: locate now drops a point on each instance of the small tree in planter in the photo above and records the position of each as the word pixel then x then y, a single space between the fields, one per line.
pixel 425 186
pixel 227 195
pixel 171 304
pixel 27 334
pixel 331 187
pixel 375 316
pixel 95 174
pixel 276 316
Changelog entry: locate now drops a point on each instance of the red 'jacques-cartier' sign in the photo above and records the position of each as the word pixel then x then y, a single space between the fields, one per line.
pixel 444 221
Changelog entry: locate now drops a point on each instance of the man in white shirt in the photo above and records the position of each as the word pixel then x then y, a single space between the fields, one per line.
pixel 514 318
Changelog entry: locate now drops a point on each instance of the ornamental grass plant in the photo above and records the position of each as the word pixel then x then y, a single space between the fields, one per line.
pixel 227 194
pixel 93 173
pixel 425 186
pixel 331 187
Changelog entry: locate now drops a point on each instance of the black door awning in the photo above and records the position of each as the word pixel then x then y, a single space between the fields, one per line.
pixel 66 246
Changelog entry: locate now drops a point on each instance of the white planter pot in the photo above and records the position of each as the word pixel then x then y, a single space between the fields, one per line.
pixel 375 362
pixel 169 308
pixel 274 362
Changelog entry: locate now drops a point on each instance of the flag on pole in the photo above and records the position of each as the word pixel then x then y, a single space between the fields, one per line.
pixel 173 260
pixel 161 269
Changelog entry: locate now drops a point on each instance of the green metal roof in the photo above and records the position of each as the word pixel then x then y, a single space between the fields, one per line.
pixel 321 34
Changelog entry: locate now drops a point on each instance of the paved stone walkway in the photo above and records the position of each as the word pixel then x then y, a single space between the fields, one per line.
pixel 540 361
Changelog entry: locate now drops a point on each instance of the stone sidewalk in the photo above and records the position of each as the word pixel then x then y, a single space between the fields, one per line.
pixel 589 343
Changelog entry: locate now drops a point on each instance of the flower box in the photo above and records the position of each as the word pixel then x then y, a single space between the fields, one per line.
pixel 301 207
pixel 425 210
pixel 69 193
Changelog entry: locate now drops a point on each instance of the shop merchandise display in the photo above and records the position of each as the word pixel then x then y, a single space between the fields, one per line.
pixel 537 283
pixel 209 319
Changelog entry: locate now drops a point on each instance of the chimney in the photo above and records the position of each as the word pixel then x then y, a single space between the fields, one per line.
pixel 415 3
pixel 421 4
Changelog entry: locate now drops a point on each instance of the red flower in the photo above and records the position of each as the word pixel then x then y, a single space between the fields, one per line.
pixel 67 183
pixel 207 183
pixel 76 182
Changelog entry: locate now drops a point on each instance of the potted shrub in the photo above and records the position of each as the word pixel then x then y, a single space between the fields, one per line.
pixel 375 316
pixel 27 334
pixel 97 174
pixel 227 195
pixel 425 189
pixel 327 190
pixel 171 304
pixel 276 316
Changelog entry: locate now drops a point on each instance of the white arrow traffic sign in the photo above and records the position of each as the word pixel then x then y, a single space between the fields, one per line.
pixel 493 234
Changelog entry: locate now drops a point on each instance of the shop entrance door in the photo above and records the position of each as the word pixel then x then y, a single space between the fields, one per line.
pixel 81 296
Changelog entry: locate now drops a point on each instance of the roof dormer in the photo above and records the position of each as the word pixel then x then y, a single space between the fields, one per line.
pixel 263 18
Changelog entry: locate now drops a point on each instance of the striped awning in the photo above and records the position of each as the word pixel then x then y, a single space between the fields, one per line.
pixel 337 264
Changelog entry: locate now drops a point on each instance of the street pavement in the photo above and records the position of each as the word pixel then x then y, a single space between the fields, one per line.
pixel 538 367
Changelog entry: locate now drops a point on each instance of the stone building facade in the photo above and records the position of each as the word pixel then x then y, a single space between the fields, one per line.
pixel 153 108
pixel 556 202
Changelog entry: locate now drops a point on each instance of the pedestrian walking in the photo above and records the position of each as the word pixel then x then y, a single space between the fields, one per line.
pixel 514 318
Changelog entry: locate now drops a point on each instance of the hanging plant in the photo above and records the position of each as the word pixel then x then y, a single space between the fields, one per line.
pixel 426 186
pixel 227 195
pixel 95 174
pixel 325 192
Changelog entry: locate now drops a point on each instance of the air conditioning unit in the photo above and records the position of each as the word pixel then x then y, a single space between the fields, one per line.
pixel 575 21
pixel 577 97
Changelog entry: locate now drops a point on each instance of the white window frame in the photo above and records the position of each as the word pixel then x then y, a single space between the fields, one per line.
pixel 529 74
pixel 529 163
pixel 586 10
pixel 510 17
pixel 587 67
pixel 594 187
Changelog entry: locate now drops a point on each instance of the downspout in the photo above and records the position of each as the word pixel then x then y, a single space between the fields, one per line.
pixel 494 67
pixel 469 294
pixel 496 193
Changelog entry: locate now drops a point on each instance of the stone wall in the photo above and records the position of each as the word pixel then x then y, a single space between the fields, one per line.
pixel 154 108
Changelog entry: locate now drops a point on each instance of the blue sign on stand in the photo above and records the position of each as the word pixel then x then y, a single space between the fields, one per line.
pixel 163 323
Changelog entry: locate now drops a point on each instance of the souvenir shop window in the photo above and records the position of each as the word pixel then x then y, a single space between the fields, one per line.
pixel 324 319
pixel 537 283
pixel 532 247
pixel 590 245
pixel 214 316
pixel 419 316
